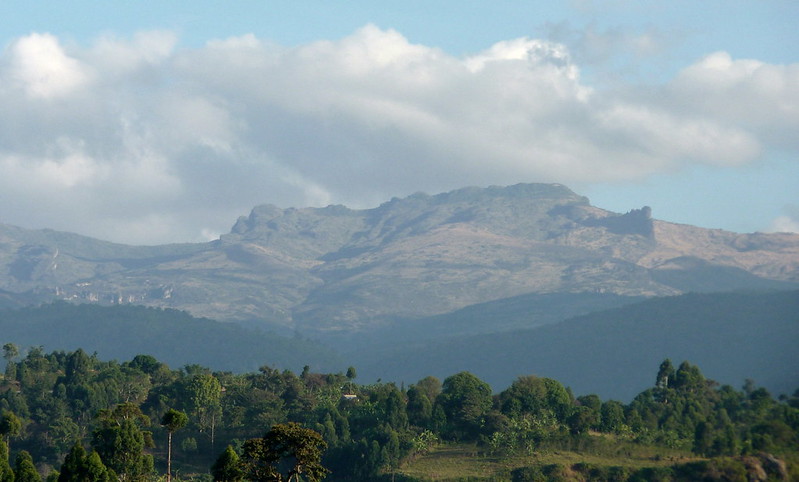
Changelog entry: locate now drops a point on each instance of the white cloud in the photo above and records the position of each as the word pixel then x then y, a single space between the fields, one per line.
pixel 785 224
pixel 137 132
pixel 39 66
pixel 762 97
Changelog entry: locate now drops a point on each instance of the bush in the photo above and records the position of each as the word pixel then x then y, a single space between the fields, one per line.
pixel 652 474
pixel 722 468
pixel 528 474
pixel 539 473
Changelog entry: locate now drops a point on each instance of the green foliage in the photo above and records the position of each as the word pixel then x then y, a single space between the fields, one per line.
pixel 6 473
pixel 465 400
pixel 526 395
pixel 299 448
pixel 227 467
pixel 523 434
pixel 174 420
pixel 120 441
pixel 125 331
pixel 62 398
pixel 72 469
pixel 546 473
pixel 189 445
pixel 612 417
pixel 10 425
pixel 722 468
pixel 24 469
pixel 96 471
pixel 81 467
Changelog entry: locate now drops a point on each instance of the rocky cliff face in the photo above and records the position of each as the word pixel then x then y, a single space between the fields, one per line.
pixel 336 268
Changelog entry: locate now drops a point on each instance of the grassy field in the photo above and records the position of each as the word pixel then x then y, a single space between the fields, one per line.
pixel 462 462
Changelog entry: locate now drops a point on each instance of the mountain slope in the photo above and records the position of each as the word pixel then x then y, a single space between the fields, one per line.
pixel 173 337
pixel 731 336
pixel 335 269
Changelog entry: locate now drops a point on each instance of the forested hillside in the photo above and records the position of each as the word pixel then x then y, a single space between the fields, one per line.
pixel 105 420
pixel 732 335
pixel 175 337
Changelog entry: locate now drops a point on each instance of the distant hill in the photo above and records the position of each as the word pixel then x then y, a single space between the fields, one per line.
pixel 731 336
pixel 508 314
pixel 173 337
pixel 335 270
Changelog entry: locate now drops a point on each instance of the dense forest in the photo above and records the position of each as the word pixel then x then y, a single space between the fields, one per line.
pixel 72 416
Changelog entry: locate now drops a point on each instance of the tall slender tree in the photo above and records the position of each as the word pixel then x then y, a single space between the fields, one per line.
pixel 173 420
pixel 10 351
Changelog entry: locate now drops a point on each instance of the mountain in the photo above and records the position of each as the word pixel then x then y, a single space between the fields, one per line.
pixel 338 270
pixel 616 352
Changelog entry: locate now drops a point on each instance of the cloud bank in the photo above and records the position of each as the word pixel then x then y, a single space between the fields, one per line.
pixel 140 141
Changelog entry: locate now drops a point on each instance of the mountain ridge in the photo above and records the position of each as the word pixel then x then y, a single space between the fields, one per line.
pixel 336 269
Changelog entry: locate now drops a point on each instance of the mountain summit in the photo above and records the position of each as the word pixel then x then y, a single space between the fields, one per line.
pixel 336 269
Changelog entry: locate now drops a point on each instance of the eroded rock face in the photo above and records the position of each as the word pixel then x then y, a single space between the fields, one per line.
pixel 335 268
pixel 764 467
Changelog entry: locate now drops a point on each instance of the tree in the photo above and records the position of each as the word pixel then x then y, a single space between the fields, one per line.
pixel 703 438
pixel 665 374
pixel 534 395
pixel 297 448
pixel 80 467
pixel 77 368
pixel 10 351
pixel 431 386
pixel 72 470
pixel 6 474
pixel 612 416
pixel 465 399
pixel 173 420
pixel 227 467
pixel 10 425
pixel 688 378
pixel 420 410
pixel 24 470
pixel 96 471
pixel 582 419
pixel 205 395
pixel 120 441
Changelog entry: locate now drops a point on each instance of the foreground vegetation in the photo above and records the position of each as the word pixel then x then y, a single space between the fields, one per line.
pixel 71 416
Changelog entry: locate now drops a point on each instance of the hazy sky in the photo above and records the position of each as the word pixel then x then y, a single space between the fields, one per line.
pixel 153 122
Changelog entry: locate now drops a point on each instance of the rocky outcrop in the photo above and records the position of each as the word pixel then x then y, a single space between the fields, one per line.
pixel 336 268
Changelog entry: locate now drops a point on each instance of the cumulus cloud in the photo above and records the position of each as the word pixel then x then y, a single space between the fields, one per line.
pixel 38 65
pixel 787 223
pixel 138 140
pixel 761 97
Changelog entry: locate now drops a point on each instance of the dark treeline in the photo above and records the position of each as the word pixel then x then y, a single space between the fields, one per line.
pixel 69 414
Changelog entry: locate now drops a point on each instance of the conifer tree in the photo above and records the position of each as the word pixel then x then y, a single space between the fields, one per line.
pixel 72 470
pixel 227 467
pixel 6 474
pixel 120 441
pixel 24 469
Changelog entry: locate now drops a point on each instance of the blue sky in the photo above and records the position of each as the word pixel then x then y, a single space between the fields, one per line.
pixel 145 123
